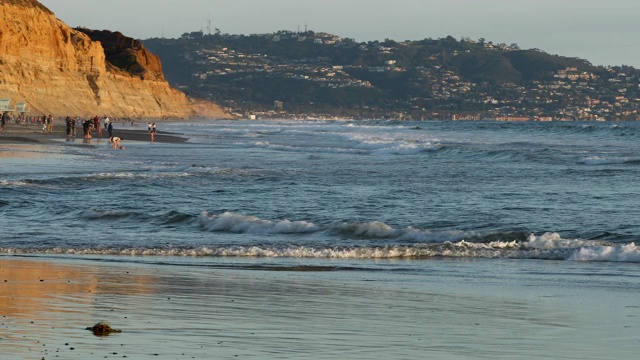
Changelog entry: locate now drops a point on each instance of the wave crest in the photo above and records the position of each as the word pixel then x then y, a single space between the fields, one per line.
pixel 553 240
pixel 598 160
pixel 374 229
pixel 624 253
pixel 242 224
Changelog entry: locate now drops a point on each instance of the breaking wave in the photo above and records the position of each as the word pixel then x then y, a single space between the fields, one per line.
pixel 546 247
pixel 242 224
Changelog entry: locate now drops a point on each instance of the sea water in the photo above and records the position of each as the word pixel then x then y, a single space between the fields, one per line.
pixel 519 221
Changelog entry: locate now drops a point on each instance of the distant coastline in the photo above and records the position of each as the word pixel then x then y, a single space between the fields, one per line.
pixel 319 75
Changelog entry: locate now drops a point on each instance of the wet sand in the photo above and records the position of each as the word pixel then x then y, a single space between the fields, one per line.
pixel 34 134
pixel 191 309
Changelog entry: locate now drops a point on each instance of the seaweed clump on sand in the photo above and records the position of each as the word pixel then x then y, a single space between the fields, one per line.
pixel 102 329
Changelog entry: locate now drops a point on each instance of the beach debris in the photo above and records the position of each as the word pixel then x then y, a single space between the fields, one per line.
pixel 102 329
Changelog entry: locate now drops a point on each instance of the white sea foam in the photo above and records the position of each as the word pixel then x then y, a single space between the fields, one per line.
pixel 16 183
pixel 555 241
pixel 618 253
pixel 243 224
pixel 461 249
pixel 390 145
pixel 392 252
pixel 452 250
pixel 598 160
pixel 139 175
pixel 305 149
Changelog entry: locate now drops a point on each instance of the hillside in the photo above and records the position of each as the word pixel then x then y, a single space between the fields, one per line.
pixel 62 71
pixel 289 73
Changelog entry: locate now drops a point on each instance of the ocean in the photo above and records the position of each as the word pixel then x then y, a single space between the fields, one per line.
pixel 353 239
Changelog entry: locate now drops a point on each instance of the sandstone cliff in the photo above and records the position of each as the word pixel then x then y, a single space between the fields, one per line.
pixel 62 71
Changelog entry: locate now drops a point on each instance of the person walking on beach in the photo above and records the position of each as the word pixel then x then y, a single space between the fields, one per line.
pixel 3 120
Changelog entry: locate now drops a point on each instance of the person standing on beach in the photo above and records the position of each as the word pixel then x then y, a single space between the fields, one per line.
pixel 152 132
pixel 96 126
pixel 50 124
pixel 3 120
pixel 110 129
pixel 68 122
pixel 72 123
pixel 86 127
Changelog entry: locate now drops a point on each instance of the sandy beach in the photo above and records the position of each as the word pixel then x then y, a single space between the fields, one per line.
pixel 202 312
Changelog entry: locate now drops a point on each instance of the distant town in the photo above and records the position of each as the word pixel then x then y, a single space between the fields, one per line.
pixel 318 75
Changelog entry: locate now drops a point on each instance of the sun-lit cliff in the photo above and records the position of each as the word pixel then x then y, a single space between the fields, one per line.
pixel 61 71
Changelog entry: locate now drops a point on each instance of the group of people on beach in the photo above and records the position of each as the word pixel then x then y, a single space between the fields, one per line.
pixel 90 127
pixel 93 125
pixel 47 124
pixel 45 121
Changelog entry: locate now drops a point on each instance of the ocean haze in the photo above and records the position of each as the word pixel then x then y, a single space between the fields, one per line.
pixel 601 32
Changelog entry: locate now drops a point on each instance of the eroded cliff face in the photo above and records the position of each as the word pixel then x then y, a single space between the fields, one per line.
pixel 127 54
pixel 62 71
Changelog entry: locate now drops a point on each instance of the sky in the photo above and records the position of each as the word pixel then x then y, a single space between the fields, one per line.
pixel 603 32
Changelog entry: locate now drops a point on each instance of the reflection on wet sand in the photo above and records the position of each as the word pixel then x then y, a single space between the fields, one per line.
pixel 184 309
pixel 29 286
pixel 25 151
pixel 43 302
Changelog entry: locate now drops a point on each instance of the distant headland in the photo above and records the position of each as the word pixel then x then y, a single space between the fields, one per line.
pixel 316 74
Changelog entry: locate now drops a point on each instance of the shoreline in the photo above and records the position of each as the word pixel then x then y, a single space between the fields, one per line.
pixel 33 134
pixel 18 133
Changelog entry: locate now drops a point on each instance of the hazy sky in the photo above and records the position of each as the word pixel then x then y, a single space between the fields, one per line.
pixel 603 32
